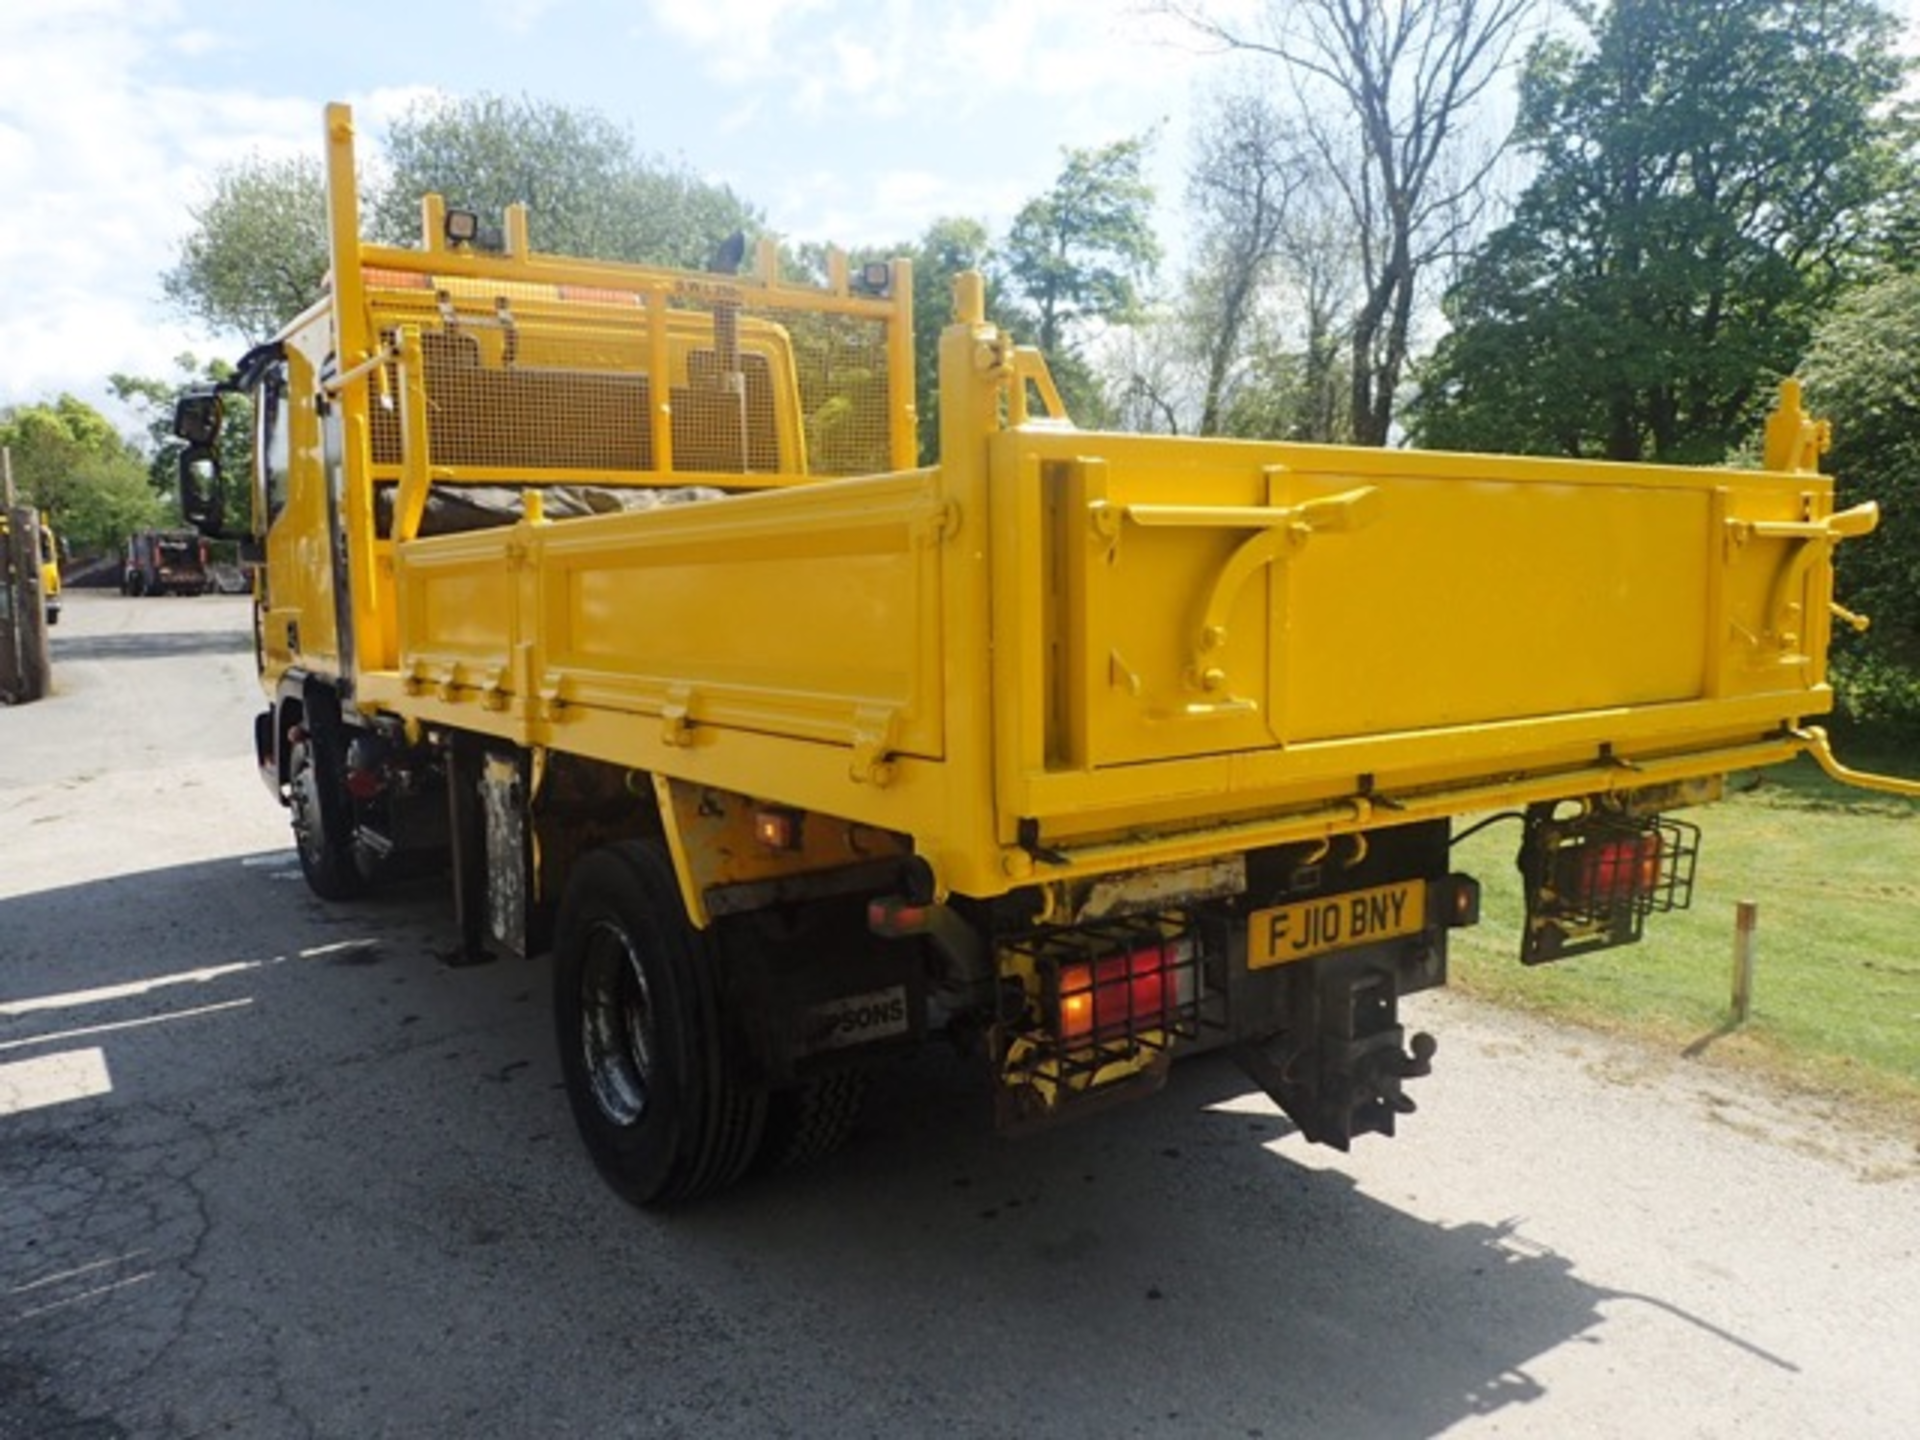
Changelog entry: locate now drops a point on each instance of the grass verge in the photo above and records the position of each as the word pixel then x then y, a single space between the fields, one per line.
pixel 1836 995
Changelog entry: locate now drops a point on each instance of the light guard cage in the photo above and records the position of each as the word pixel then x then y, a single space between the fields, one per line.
pixel 1112 993
pixel 1591 882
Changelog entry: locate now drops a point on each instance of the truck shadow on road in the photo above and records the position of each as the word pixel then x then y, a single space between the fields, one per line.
pixel 151 645
pixel 318 1134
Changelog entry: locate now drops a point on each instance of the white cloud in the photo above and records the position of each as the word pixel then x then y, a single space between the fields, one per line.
pixel 746 41
pixel 884 207
pixel 105 146
pixel 519 17
pixel 896 56
pixel 91 176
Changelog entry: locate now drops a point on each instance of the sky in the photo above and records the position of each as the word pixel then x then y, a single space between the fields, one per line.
pixel 852 121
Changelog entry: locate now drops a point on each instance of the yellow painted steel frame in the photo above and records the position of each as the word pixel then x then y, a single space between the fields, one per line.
pixel 1143 651
pixel 1063 654
pixel 359 312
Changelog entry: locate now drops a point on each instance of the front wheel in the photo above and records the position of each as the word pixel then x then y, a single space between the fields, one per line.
pixel 322 813
pixel 643 1036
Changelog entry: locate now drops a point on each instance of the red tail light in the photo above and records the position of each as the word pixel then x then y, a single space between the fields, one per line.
pixel 1116 995
pixel 364 785
pixel 1617 871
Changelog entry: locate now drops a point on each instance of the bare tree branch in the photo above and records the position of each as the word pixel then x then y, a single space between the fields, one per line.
pixel 1386 91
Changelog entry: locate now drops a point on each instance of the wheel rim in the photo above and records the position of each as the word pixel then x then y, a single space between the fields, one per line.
pixel 616 1025
pixel 305 806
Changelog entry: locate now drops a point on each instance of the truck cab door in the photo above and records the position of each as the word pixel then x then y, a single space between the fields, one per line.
pixel 294 587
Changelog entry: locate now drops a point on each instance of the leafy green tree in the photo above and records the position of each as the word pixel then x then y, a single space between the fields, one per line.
pixel 586 189
pixel 1863 373
pixel 256 254
pixel 153 400
pixel 111 499
pixel 1710 173
pixel 1077 256
pixel 69 461
pixel 950 246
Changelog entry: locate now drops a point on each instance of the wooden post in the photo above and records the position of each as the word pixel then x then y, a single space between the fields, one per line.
pixel 1746 919
pixel 25 670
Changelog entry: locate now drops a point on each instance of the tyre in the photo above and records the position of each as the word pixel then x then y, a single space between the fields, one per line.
pixel 643 1036
pixel 321 812
pixel 811 1121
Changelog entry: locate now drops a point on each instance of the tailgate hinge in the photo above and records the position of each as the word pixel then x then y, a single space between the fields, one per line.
pixel 873 742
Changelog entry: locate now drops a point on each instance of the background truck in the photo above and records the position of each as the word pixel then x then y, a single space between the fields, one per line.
pixel 619 595
pixel 165 562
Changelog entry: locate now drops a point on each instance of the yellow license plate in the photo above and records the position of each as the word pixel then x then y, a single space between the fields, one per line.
pixel 1306 928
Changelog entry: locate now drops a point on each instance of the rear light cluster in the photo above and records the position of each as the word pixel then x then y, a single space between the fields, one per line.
pixel 1640 867
pixel 1617 871
pixel 1118 995
pixel 1592 880
pixel 1117 985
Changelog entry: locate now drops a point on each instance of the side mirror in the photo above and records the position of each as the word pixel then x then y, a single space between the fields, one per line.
pixel 196 418
pixel 202 495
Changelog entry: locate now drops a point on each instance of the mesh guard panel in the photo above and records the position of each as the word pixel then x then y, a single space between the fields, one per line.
pixel 561 392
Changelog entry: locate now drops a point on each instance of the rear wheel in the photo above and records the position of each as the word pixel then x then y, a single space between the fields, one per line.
pixel 644 1043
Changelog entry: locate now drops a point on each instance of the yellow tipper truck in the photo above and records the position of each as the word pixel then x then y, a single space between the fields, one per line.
pixel 618 593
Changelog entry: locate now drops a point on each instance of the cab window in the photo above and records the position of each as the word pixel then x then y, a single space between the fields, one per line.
pixel 272 448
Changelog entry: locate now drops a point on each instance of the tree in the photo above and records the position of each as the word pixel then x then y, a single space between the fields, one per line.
pixel 1710 176
pixel 1386 91
pixel 1262 317
pixel 950 245
pixel 586 190
pixel 153 399
pixel 1077 255
pixel 257 253
pixel 1151 369
pixel 110 501
pixel 71 463
pixel 1246 172
pixel 1863 373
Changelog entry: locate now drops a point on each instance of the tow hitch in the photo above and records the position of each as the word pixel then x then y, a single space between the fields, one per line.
pixel 1338 1070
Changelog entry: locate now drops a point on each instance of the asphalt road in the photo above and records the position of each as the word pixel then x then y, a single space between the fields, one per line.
pixel 269 1167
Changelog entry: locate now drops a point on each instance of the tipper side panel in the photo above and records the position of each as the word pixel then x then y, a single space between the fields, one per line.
pixel 811 617
pixel 1223 626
